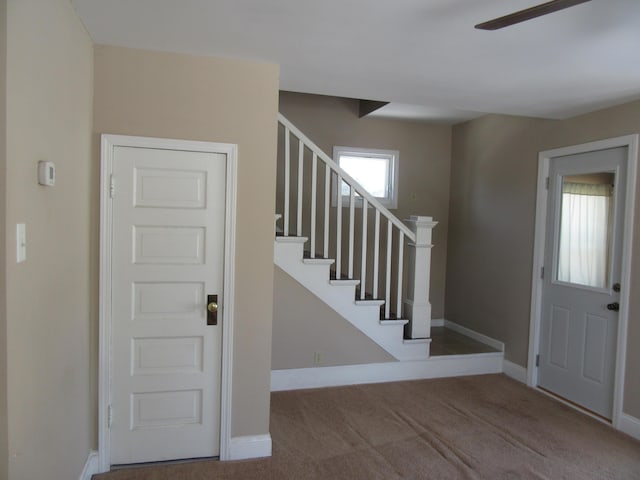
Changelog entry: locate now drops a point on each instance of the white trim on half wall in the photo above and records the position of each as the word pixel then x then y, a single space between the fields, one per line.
pixel 492 342
pixel 435 367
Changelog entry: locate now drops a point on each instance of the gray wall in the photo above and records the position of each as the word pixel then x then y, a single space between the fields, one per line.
pixel 425 153
pixel 491 228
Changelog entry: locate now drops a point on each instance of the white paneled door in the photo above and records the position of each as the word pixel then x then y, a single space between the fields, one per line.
pixel 167 261
pixel 582 276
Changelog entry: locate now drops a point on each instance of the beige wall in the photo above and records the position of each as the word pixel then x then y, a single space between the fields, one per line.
pixel 303 325
pixel 186 97
pixel 425 153
pixel 4 447
pixel 49 104
pixel 493 194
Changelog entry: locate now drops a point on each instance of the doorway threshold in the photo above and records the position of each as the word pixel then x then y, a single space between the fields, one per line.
pixel 162 462
pixel 575 406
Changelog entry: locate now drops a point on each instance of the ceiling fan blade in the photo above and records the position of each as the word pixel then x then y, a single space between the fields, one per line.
pixel 528 14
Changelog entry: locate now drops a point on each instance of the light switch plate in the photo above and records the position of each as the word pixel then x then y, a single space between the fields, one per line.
pixel 46 173
pixel 21 242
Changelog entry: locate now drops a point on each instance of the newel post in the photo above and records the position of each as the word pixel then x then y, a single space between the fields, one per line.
pixel 417 305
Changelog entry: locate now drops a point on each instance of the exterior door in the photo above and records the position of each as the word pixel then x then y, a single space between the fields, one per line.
pixel 582 271
pixel 168 221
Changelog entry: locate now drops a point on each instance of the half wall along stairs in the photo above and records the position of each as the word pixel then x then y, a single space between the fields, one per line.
pixel 351 252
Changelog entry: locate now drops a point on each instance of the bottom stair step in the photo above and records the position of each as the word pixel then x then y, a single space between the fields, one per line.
pixel 394 322
pixel 412 341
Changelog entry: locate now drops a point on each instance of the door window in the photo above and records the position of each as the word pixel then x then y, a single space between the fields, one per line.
pixel 586 214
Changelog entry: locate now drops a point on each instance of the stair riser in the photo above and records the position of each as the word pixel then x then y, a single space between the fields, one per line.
pixel 292 250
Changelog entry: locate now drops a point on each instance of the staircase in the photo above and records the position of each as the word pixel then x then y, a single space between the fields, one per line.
pixel 366 264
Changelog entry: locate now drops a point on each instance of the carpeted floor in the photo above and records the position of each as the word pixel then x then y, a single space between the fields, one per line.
pixel 483 427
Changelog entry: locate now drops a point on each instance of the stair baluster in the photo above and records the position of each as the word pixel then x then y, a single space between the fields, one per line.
pixel 287 180
pixel 410 298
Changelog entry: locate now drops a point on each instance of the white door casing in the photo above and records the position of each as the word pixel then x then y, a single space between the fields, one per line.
pixel 630 144
pixel 167 238
pixel 578 331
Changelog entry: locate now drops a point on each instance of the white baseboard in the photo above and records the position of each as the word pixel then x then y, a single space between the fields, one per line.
pixel 492 342
pixel 91 466
pixel 514 371
pixel 629 425
pixel 435 367
pixel 437 322
pixel 250 446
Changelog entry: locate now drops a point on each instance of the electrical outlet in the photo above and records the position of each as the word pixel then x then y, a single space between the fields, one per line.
pixel 317 359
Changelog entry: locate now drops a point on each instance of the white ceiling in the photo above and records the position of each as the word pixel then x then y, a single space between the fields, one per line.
pixel 421 55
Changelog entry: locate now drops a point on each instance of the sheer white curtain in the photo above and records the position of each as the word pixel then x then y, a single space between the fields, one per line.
pixel 584 234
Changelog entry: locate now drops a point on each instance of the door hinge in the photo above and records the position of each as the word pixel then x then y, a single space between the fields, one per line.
pixel 537 360
pixel 112 187
pixel 541 272
pixel 546 183
pixel 109 416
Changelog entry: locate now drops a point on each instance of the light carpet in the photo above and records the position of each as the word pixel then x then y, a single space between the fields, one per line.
pixel 480 427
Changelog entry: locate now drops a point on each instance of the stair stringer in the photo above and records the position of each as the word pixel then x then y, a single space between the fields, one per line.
pixel 365 316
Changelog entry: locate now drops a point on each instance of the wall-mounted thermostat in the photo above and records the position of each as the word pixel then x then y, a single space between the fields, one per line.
pixel 46 173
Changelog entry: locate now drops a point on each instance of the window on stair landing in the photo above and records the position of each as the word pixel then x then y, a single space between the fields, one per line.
pixel 376 170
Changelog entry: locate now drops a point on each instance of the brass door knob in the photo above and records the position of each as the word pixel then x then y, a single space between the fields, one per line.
pixel 212 307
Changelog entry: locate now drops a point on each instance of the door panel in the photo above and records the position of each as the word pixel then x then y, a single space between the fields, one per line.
pixel 152 356
pixel 582 260
pixel 160 188
pixel 157 299
pixel 595 351
pixel 166 409
pixel 167 256
pixel 176 244
pixel 559 338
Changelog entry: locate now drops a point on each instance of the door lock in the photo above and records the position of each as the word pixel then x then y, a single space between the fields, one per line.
pixel 616 287
pixel 615 306
pixel 212 309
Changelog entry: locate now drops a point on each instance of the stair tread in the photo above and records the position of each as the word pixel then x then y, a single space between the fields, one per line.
pixel 386 321
pixel 413 341
pixel 318 261
pixel 369 301
pixel 290 239
pixel 344 281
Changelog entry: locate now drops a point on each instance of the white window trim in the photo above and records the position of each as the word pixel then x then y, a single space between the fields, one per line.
pixel 394 155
